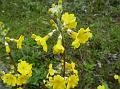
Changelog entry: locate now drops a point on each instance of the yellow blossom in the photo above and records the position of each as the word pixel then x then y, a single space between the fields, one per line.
pixel 7 49
pixel 69 20
pixel 101 87
pixel 19 41
pixel 76 43
pixel 41 41
pixel 58 82
pixel 22 79
pixel 24 68
pixel 51 70
pixel 33 36
pixel 29 74
pixel 82 37
pixel 72 81
pixel 58 48
pixel 68 66
pixel 116 76
pixel 9 79
pixel 73 35
pixel 73 68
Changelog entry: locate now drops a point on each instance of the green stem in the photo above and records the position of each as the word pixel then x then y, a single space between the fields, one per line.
pixel 22 53
pixel 13 61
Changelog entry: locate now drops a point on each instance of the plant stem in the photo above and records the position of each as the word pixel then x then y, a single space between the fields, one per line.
pixel 64 54
pixel 13 61
pixel 22 53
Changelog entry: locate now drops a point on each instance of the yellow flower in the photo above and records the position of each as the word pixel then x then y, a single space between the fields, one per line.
pixel 33 36
pixel 72 81
pixel 19 88
pixel 24 68
pixel 9 79
pixel 76 43
pixel 68 66
pixel 101 87
pixel 116 76
pixel 73 68
pixel 51 70
pixel 22 79
pixel 29 74
pixel 73 35
pixel 19 41
pixel 82 37
pixel 58 48
pixel 41 41
pixel 69 20
pixel 7 49
pixel 58 82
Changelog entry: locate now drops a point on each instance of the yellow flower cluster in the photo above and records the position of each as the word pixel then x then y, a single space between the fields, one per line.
pixel 5 40
pixel 61 23
pixel 57 49
pixel 25 72
pixel 56 81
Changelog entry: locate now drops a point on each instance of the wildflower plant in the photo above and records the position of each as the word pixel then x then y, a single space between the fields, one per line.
pixel 20 73
pixel 19 77
pixel 65 75
pixel 56 81
pixel 5 40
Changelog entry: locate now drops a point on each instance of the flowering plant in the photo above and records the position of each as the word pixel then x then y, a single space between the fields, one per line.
pixel 65 75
